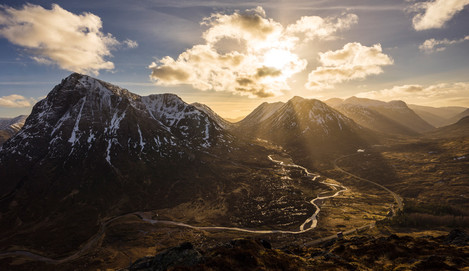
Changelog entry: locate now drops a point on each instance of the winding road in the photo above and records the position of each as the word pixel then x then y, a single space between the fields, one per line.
pixel 397 198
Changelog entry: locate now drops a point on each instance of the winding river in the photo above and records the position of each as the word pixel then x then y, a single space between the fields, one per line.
pixel 309 224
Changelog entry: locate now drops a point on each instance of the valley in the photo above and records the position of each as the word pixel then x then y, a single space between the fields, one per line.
pixel 113 176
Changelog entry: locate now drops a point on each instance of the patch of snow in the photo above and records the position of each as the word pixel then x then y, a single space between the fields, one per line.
pixel 108 152
pixel 60 122
pixel 142 144
pixel 115 122
pixel 157 141
pixel 91 138
pixel 73 137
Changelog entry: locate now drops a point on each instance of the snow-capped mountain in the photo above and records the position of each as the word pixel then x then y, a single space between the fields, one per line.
pixel 10 126
pixel 83 114
pixel 217 118
pixel 401 119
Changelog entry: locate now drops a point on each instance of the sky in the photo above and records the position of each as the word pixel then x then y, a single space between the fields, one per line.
pixel 235 55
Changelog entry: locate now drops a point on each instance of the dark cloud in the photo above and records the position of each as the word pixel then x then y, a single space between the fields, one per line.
pixel 168 74
pixel 268 71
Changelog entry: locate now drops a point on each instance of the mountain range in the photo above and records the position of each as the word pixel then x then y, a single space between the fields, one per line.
pixel 393 117
pixel 91 151
pixel 440 116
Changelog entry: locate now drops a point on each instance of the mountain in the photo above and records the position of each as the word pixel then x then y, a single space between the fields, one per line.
pixel 91 150
pixel 236 119
pixel 459 116
pixel 308 129
pixel 261 113
pixel 213 115
pixel 458 129
pixel 333 102
pixel 10 126
pixel 400 118
pixel 438 116
pixel 371 119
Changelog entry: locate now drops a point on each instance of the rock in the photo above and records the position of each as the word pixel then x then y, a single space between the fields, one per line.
pixel 183 255
pixel 457 237
pixel 266 244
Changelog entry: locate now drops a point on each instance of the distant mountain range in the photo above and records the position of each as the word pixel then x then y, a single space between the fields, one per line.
pixel 440 116
pixel 393 117
pixel 458 129
pixel 10 126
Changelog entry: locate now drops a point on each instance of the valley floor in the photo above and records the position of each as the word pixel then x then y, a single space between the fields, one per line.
pixel 430 177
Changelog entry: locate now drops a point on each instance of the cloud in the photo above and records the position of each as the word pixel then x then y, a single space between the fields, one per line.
pixel 130 43
pixel 353 61
pixel 432 45
pixel 16 101
pixel 314 27
pixel 436 13
pixel 450 92
pixel 57 36
pixel 246 53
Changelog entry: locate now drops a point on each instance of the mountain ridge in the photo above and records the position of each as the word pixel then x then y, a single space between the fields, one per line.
pixel 388 117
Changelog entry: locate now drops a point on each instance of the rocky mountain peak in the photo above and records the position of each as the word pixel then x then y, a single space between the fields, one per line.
pixel 82 114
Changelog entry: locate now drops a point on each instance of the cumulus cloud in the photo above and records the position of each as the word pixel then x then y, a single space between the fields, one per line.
pixel 434 14
pixel 432 45
pixel 246 53
pixel 313 27
pixel 452 92
pixel 353 61
pixel 57 36
pixel 16 101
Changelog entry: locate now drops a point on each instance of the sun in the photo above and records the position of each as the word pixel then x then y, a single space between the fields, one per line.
pixel 278 58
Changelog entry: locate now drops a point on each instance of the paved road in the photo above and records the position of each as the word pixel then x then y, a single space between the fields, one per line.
pixel 397 198
pixel 334 236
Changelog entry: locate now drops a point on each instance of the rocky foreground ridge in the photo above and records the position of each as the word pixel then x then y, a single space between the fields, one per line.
pixel 447 252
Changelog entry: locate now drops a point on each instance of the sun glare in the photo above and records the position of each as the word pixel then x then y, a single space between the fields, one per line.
pixel 278 58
